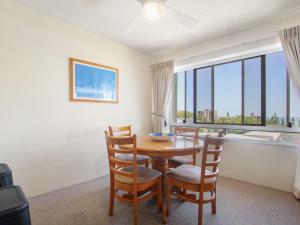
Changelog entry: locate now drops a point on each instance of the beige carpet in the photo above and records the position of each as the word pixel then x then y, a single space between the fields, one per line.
pixel 238 204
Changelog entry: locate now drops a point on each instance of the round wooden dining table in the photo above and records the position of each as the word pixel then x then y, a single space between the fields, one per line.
pixel 161 151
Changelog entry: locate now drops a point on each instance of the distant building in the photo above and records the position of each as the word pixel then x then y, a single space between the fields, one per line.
pixel 200 115
pixel 205 115
pixel 216 115
pixel 293 121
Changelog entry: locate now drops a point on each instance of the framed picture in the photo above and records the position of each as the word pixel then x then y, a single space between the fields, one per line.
pixel 91 82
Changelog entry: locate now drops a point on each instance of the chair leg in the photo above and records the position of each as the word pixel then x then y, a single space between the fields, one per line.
pixel 194 158
pixel 111 197
pixel 168 197
pixel 159 197
pixel 200 209
pixel 183 193
pixel 214 204
pixel 147 163
pixel 135 202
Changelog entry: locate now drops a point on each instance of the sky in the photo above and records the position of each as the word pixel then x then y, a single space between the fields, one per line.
pixel 94 82
pixel 228 91
pixel 276 84
pixel 204 88
pixel 252 71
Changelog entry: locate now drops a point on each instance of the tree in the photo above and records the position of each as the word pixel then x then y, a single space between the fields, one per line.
pixel 282 121
pixel 181 114
pixel 189 114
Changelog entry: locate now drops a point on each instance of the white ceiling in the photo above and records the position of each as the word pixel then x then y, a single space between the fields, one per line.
pixel 216 18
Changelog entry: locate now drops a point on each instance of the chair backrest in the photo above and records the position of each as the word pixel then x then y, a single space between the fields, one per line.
pixel 187 131
pixel 120 131
pixel 115 163
pixel 222 133
pixel 213 148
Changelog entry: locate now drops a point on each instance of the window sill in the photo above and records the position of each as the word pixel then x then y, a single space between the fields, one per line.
pixel 275 143
pixel 240 127
pixel 264 135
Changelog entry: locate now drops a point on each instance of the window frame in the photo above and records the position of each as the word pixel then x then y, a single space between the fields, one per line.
pixel 263 93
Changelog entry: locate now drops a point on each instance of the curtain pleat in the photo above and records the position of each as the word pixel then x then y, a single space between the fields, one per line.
pixel 290 41
pixel 162 75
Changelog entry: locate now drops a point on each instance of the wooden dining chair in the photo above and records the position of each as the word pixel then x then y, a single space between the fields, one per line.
pixel 125 131
pixel 190 132
pixel 197 179
pixel 139 183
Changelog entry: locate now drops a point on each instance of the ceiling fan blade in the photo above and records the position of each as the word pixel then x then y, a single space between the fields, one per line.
pixel 130 24
pixel 181 18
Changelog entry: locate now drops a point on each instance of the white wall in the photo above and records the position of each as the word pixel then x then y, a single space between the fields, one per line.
pixel 263 164
pixel 262 37
pixel 48 141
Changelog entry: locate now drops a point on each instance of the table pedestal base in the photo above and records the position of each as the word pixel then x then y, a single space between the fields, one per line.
pixel 161 165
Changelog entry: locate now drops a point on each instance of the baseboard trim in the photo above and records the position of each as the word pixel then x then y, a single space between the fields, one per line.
pixel 297 193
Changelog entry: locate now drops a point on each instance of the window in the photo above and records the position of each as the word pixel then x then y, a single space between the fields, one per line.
pixel 180 89
pixel 294 106
pixel 276 90
pixel 204 95
pixel 189 96
pixel 228 93
pixel 185 96
pixel 252 91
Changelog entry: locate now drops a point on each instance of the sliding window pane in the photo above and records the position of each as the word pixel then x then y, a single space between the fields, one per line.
pixel 180 89
pixel 252 91
pixel 276 90
pixel 204 106
pixel 294 106
pixel 228 93
pixel 189 96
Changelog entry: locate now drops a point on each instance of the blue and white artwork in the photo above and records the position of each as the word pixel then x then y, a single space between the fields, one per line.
pixel 91 82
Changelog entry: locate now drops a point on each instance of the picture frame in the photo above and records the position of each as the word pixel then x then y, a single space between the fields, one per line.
pixel 92 82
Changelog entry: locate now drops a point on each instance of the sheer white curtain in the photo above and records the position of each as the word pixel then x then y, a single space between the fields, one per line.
pixel 162 76
pixel 290 41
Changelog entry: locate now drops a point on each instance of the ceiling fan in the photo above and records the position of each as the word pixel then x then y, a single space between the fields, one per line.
pixel 154 10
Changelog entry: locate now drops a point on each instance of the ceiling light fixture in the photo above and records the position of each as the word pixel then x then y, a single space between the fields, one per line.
pixel 153 9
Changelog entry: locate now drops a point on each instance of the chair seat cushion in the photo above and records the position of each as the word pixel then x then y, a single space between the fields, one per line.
pixel 190 174
pixel 129 157
pixel 145 175
pixel 182 159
